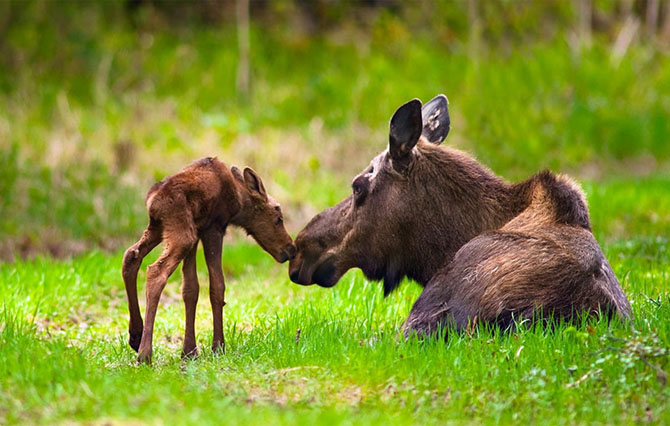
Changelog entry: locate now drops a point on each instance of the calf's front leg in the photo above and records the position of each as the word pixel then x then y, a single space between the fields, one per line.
pixel 212 243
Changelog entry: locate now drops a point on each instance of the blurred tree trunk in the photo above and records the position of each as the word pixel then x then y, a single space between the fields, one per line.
pixel 584 24
pixel 652 17
pixel 625 38
pixel 5 17
pixel 242 14
pixel 665 31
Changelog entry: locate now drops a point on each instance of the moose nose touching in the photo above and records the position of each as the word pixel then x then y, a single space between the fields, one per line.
pixel 288 253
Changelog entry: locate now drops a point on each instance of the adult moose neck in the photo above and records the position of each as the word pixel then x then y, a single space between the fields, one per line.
pixel 460 199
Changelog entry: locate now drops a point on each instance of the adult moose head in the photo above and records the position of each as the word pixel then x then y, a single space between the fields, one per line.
pixel 410 210
pixel 417 206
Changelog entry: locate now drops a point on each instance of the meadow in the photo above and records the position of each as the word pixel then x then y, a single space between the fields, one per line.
pixel 93 112
pixel 299 355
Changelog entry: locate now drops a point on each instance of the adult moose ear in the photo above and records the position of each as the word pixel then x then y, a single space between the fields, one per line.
pixel 254 183
pixel 436 120
pixel 405 129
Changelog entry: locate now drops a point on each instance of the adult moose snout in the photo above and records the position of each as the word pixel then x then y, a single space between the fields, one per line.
pixel 294 268
pixel 322 272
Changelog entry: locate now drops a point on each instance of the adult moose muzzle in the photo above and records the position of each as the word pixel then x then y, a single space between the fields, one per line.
pixel 482 248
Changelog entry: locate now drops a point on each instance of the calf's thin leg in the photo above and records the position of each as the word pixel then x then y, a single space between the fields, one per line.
pixel 132 260
pixel 189 292
pixel 212 243
pixel 179 242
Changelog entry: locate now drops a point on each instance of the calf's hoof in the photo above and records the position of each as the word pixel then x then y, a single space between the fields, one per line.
pixel 190 353
pixel 144 357
pixel 134 340
pixel 219 348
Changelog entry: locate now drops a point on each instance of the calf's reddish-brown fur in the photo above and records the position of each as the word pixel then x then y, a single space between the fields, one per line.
pixel 484 250
pixel 197 204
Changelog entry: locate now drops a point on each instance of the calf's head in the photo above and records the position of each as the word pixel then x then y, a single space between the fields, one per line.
pixel 262 218
pixel 384 226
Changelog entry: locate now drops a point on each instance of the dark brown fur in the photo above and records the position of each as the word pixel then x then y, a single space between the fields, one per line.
pixel 197 204
pixel 481 247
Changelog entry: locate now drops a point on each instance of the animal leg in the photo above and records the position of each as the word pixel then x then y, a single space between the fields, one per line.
pixel 157 276
pixel 189 291
pixel 212 244
pixel 132 260
pixel 431 311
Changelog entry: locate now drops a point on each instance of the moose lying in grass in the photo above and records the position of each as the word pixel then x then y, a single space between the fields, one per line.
pixel 195 204
pixel 484 250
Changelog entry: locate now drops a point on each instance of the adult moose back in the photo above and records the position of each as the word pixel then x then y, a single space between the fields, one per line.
pixel 483 249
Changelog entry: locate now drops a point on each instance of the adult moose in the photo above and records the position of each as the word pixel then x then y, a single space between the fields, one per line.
pixel 483 249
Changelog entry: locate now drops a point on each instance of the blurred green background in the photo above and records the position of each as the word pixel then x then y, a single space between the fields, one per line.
pixel 100 99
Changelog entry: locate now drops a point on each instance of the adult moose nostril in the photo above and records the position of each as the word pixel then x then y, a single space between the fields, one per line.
pixel 325 274
pixel 294 275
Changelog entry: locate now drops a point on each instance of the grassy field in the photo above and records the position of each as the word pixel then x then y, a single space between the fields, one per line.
pixel 315 356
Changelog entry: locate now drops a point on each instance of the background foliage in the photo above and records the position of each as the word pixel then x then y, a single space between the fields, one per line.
pixel 98 100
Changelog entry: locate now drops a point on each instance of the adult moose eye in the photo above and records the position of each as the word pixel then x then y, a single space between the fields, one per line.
pixel 360 188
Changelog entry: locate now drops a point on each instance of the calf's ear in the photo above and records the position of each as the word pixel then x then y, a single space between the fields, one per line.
pixel 254 183
pixel 436 120
pixel 405 129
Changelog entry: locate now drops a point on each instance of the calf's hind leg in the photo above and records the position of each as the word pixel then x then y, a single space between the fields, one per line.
pixel 132 260
pixel 212 244
pixel 157 276
pixel 189 292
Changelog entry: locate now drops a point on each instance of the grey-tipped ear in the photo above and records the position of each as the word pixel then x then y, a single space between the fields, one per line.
pixel 405 129
pixel 436 120
pixel 237 173
pixel 254 182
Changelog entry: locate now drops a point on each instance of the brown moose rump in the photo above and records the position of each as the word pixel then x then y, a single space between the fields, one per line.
pixel 501 277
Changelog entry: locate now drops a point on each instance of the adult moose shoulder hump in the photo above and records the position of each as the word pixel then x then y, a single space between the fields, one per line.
pixel 484 250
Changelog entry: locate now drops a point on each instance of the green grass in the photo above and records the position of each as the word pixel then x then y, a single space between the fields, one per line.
pixel 65 357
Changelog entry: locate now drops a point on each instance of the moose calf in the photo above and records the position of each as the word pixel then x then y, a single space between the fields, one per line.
pixel 195 204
